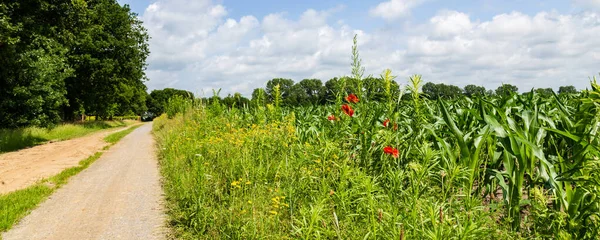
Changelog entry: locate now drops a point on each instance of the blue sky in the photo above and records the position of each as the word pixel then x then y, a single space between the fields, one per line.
pixel 354 9
pixel 238 45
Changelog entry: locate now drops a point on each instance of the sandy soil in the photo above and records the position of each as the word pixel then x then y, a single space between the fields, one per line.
pixel 117 197
pixel 24 168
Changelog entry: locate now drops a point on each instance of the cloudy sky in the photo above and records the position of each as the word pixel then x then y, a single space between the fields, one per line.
pixel 239 45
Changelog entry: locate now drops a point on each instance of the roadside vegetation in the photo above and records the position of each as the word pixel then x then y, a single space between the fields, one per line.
pixel 403 166
pixel 16 205
pixel 15 139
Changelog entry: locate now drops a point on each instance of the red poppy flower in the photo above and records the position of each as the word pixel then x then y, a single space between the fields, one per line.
pixel 352 98
pixel 386 122
pixel 391 151
pixel 348 110
pixel 331 118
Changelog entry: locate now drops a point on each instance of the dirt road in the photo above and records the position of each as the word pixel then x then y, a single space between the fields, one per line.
pixel 24 168
pixel 117 197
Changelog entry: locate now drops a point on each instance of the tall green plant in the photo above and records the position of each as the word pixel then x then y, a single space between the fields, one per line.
pixel 357 69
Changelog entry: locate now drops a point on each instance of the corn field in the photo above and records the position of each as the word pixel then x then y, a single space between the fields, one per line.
pixel 520 166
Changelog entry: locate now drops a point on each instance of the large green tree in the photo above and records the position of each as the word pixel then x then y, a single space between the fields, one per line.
pixel 109 58
pixel 62 58
pixel 33 62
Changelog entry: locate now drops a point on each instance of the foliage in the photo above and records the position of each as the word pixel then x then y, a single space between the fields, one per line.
pixel 237 100
pixel 505 90
pixel 495 167
pixel 177 104
pixel 440 90
pixel 567 90
pixel 157 100
pixel 474 91
pixel 65 58
pixel 285 86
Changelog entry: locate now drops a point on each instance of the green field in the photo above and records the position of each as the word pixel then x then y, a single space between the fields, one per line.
pixel 499 167
pixel 15 139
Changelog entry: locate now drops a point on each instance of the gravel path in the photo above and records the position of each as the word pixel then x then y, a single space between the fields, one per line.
pixel 117 197
pixel 26 167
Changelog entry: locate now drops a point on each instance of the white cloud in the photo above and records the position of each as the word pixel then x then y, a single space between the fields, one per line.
pixel 199 48
pixel 588 3
pixel 394 9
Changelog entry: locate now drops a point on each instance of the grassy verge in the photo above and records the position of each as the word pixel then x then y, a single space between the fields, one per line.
pixel 15 139
pixel 17 204
pixel 115 137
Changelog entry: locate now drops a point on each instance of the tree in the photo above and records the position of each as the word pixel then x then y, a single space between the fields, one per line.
pixel 62 58
pixel 259 97
pixel 33 63
pixel 236 100
pixel 474 91
pixel 285 86
pixel 430 90
pixel 109 59
pixel 567 90
pixel 313 90
pixel 157 100
pixel 506 90
pixel 375 89
pixel 544 92
pixel 333 87
pixel 435 91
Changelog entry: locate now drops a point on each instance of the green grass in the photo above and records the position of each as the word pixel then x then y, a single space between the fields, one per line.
pixel 15 139
pixel 17 204
pixel 115 137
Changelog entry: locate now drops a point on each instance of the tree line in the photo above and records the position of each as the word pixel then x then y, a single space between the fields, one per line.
pixel 61 59
pixel 315 92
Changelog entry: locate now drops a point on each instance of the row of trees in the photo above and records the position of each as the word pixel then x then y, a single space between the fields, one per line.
pixel 440 90
pixel 313 91
pixel 309 91
pixel 60 59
